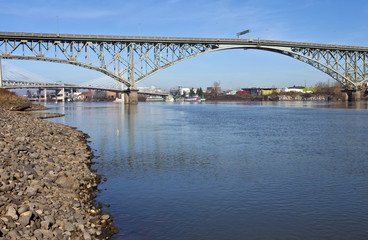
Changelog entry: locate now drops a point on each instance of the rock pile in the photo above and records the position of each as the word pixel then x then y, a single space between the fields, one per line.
pixel 46 185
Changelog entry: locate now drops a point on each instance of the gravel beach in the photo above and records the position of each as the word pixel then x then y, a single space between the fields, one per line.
pixel 46 184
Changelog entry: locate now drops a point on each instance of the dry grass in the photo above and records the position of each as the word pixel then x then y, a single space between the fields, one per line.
pixel 7 97
pixel 12 101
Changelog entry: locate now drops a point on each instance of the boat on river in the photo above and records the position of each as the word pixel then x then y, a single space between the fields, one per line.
pixel 192 99
pixel 169 98
pixel 155 99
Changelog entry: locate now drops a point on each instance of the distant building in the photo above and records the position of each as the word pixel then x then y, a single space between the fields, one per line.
pixel 258 91
pixel 112 95
pixel 294 89
pixel 84 96
pixel 174 91
pixel 231 92
pixel 268 91
pixel 216 89
pixel 248 91
pixel 183 91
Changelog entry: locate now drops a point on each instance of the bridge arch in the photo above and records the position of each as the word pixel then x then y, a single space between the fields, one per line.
pixel 301 55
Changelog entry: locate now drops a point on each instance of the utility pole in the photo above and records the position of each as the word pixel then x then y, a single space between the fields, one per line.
pixel 57 22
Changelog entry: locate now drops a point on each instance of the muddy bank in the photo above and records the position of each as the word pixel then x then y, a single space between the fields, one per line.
pixel 22 106
pixel 46 184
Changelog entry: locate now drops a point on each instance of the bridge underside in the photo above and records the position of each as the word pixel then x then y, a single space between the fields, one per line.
pixel 130 60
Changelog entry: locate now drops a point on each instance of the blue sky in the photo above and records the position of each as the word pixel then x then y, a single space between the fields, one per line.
pixel 320 21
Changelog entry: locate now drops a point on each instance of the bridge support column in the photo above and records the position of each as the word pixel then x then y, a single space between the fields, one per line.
pixel 351 95
pixel 63 94
pixel 131 96
pixel 45 93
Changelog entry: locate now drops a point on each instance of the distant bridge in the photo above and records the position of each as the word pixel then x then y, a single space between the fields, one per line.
pixel 130 60
pixel 13 84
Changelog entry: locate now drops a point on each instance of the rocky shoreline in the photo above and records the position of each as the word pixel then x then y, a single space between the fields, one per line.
pixel 47 187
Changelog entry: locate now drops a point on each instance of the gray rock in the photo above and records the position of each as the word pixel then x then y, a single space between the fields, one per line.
pixel 45 225
pixel 13 234
pixel 34 155
pixel 69 227
pixel 47 234
pixel 25 218
pixel 31 191
pixel 50 219
pixel 20 139
pixel 12 213
pixel 27 169
pixel 22 209
pixel 67 182
pixel 4 219
pixel 87 236
pixel 38 234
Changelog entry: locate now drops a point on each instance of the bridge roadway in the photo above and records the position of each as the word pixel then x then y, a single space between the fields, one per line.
pixel 176 40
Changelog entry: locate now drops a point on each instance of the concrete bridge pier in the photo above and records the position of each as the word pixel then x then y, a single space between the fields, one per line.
pixel 131 96
pixel 45 92
pixel 39 94
pixel 64 94
pixel 351 95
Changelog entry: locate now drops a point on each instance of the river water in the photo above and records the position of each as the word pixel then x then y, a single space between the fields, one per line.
pixel 286 170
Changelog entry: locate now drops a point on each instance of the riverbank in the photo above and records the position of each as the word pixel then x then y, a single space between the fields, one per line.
pixel 289 96
pixel 46 184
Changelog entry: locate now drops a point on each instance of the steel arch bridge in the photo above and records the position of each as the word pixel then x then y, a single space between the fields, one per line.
pixel 130 60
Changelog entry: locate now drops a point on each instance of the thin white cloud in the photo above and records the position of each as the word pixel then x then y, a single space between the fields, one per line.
pixel 48 11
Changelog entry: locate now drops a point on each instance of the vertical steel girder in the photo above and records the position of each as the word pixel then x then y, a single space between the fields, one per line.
pixel 130 62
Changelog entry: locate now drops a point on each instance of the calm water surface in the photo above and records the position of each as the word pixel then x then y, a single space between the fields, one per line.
pixel 230 170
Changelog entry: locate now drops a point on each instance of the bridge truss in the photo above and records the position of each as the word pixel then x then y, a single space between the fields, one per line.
pixel 132 59
pixel 347 67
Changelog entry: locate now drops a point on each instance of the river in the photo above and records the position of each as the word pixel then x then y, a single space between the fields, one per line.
pixel 283 170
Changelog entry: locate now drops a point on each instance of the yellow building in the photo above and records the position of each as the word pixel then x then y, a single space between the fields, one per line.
pixel 269 91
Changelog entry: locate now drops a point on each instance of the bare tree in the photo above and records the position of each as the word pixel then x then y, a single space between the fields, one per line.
pixel 216 84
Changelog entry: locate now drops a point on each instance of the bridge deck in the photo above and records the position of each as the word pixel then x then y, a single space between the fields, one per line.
pixel 225 41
